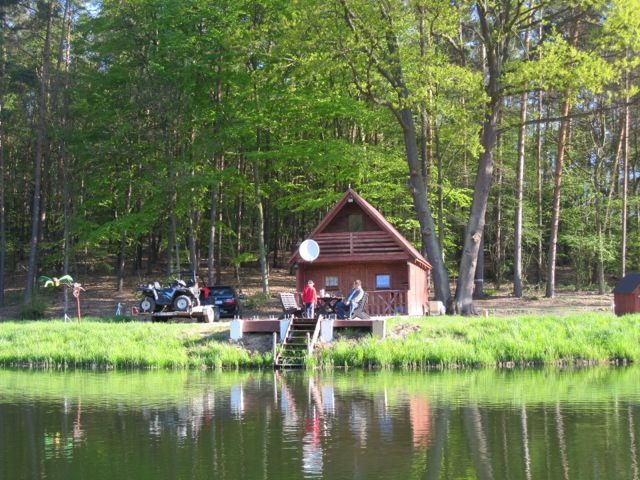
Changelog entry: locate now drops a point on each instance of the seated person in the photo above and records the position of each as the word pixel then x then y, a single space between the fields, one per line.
pixel 346 306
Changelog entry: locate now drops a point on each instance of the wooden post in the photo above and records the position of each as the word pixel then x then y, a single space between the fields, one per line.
pixel 275 345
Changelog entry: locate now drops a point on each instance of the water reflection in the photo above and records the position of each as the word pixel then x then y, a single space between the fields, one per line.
pixel 446 425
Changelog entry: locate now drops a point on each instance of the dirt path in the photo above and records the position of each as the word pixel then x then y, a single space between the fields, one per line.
pixel 101 299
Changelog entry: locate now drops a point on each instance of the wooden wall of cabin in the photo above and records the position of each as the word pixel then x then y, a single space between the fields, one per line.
pixel 340 222
pixel 348 272
pixel 418 295
pixel 627 302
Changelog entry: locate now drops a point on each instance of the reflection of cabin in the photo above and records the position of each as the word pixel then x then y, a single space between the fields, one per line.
pixel 626 294
pixel 357 242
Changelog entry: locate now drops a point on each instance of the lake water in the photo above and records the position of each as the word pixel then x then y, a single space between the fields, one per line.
pixel 485 424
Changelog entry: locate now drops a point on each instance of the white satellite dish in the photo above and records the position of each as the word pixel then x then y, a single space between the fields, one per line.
pixel 309 250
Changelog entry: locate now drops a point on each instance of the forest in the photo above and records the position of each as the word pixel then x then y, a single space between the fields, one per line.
pixel 143 137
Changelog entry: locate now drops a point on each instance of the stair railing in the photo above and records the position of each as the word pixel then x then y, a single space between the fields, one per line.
pixel 286 336
pixel 316 333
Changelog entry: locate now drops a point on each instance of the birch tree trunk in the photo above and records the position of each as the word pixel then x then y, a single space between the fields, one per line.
pixel 257 179
pixel 517 234
pixel 539 259
pixel 213 218
pixel 625 183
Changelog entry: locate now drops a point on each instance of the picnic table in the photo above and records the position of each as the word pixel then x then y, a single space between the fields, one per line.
pixel 327 305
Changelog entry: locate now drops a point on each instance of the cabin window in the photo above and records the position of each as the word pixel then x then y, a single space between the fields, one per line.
pixel 331 282
pixel 383 281
pixel 355 223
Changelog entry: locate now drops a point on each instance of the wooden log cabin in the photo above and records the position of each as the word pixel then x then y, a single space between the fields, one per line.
pixel 357 242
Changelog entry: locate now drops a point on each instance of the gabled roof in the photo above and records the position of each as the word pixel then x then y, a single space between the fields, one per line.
pixel 351 196
pixel 628 283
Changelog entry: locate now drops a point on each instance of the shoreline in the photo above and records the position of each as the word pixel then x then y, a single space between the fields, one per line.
pixel 519 341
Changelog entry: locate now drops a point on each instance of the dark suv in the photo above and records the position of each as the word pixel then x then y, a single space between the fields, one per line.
pixel 225 298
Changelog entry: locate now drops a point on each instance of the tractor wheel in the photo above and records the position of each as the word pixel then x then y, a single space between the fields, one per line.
pixel 147 305
pixel 182 303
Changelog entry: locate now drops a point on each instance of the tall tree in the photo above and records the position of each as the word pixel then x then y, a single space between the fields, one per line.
pixel 498 24
pixel 41 146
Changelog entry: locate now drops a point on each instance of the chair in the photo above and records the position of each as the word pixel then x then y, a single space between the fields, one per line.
pixel 359 310
pixel 290 304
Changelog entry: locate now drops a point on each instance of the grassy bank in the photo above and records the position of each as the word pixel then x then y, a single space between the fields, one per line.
pixel 442 342
pixel 95 344
pixel 448 342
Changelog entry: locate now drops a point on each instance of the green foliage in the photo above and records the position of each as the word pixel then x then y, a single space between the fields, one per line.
pixel 34 309
pixel 257 301
pixel 169 109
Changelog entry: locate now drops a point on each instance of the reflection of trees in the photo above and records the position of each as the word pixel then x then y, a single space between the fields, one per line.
pixel 296 425
pixel 632 444
pixel 561 441
pixel 435 452
pixel 476 435
pixel 525 443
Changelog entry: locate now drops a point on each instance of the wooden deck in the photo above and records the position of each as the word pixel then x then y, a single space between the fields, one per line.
pixel 270 326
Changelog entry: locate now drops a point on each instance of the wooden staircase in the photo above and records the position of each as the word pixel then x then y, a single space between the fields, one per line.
pixel 298 343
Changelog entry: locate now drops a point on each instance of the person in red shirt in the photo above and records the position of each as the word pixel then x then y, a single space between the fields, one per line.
pixel 309 298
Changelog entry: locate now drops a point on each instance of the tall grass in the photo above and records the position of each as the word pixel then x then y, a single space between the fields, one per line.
pixel 93 344
pixel 448 342
pixel 435 342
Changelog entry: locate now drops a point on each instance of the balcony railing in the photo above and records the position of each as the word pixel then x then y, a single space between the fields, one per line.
pixel 387 302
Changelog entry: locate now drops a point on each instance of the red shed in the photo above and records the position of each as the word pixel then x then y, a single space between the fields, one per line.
pixel 626 294
pixel 357 242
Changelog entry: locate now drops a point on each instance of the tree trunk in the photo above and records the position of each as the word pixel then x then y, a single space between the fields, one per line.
pixel 557 183
pixel 478 287
pixel 423 210
pixel 517 234
pixel 440 181
pixel 219 240
pixel 213 218
pixel 123 242
pixel 262 251
pixel 495 57
pixel 65 160
pixel 625 184
pixel 41 139
pixel 539 259
pixel 565 124
pixel 3 233
pixel 498 257
pixel 475 226
pixel 172 242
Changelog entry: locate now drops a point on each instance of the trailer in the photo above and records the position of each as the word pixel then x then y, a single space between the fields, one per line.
pixel 202 314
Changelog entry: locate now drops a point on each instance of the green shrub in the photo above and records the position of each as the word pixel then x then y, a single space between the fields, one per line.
pixel 33 309
pixel 257 301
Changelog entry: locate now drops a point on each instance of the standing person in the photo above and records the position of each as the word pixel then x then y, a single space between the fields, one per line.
pixel 349 304
pixel 309 298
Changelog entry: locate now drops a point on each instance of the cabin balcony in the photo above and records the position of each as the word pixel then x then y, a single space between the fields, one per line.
pixel 357 246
